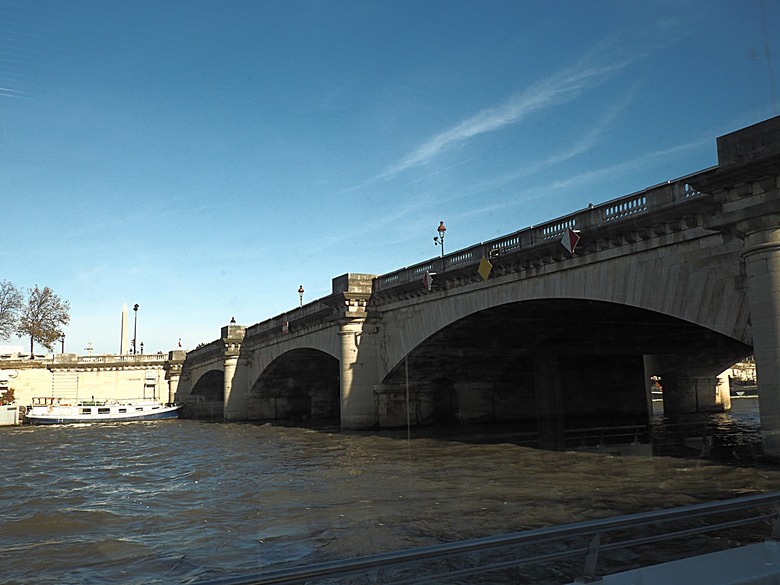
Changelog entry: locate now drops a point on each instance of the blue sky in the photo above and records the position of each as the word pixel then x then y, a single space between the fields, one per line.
pixel 204 159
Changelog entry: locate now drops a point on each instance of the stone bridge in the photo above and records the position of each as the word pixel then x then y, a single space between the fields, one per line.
pixel 680 281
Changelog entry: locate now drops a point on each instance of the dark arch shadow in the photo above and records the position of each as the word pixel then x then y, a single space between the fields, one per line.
pixel 501 364
pixel 301 386
pixel 207 399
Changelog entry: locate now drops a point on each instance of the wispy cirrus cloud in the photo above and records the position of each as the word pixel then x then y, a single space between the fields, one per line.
pixel 12 93
pixel 580 180
pixel 628 165
pixel 562 87
pixel 577 144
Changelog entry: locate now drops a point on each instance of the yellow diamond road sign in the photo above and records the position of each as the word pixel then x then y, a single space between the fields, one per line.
pixel 484 268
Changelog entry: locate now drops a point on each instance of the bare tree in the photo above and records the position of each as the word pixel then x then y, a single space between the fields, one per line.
pixel 43 317
pixel 10 305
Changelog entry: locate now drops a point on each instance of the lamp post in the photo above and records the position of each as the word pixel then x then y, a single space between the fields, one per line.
pixel 62 341
pixel 135 325
pixel 439 240
pixel 142 348
pixel 300 295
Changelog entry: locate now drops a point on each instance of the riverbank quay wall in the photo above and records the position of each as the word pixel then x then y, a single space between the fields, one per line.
pixel 73 377
pixel 679 281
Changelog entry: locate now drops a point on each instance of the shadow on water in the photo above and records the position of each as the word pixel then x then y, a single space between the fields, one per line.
pixel 485 472
pixel 728 438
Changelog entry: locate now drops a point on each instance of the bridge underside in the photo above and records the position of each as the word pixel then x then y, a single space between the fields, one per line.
pixel 554 365
pixel 207 399
pixel 301 385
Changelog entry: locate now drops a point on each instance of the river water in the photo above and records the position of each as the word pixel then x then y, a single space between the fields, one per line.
pixel 188 501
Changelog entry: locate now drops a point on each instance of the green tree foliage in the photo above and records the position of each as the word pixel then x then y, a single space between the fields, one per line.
pixel 43 317
pixel 10 305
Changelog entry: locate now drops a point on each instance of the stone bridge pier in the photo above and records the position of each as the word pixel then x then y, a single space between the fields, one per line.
pixel 746 195
pixel 234 380
pixel 359 353
pixel 762 259
pixel 359 372
pixel 173 370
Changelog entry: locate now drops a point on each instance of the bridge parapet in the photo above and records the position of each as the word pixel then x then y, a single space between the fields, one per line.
pixel 67 360
pixel 658 203
pixel 205 352
pixel 314 311
pixel 154 358
pixel 348 299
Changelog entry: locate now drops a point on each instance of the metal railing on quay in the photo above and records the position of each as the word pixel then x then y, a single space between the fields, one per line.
pixel 597 436
pixel 581 539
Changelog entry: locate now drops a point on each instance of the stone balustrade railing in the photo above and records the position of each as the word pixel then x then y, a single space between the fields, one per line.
pixel 140 358
pixel 653 199
pixel 279 322
pixel 72 359
pixel 152 358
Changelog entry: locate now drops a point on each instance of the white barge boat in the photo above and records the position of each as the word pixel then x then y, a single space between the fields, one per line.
pixel 9 414
pixel 50 411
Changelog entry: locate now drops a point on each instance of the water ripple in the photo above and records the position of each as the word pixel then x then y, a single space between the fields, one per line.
pixel 184 501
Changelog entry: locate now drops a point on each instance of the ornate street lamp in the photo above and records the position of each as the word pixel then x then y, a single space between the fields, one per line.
pixel 439 240
pixel 300 295
pixel 62 341
pixel 142 348
pixel 135 325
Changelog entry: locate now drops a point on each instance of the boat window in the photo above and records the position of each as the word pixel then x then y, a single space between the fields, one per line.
pixel 139 408
pixel 86 411
pixel 122 410
pixel 104 411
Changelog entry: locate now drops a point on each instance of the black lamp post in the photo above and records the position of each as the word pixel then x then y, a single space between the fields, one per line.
pixel 439 240
pixel 142 348
pixel 300 295
pixel 62 341
pixel 135 325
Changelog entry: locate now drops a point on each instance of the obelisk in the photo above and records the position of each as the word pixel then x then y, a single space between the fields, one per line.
pixel 123 345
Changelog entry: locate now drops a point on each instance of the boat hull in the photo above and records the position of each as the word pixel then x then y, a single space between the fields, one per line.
pixel 93 413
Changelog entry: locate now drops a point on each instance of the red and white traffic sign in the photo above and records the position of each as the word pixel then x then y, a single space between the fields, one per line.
pixel 570 239
pixel 427 280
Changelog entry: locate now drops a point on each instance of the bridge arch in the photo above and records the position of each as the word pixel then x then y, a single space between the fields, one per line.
pixel 495 363
pixel 207 397
pixel 302 384
pixel 712 296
